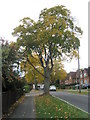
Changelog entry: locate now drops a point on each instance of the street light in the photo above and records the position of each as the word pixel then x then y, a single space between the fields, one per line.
pixel 79 72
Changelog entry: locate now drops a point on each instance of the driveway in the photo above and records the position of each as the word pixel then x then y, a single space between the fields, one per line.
pixel 80 101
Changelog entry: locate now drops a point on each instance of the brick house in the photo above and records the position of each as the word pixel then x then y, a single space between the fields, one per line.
pixel 74 78
pixel 67 79
pixel 81 77
pixel 71 78
pixel 86 77
pixel 77 77
pixel 62 82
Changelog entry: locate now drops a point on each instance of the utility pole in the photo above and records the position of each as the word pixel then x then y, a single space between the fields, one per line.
pixel 79 72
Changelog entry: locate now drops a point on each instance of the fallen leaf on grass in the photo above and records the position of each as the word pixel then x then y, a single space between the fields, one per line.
pixel 65 112
pixel 33 110
pixel 45 113
pixel 60 109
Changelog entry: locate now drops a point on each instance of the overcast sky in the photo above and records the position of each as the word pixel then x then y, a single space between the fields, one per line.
pixel 11 11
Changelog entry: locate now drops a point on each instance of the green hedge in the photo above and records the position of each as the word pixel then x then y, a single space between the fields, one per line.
pixel 26 88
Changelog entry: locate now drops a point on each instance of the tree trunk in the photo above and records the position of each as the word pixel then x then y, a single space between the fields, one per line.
pixel 46 80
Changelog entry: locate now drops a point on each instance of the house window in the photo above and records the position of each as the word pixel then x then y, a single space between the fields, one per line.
pixel 85 74
pixel 70 77
pixel 81 76
pixel 85 81
pixel 81 82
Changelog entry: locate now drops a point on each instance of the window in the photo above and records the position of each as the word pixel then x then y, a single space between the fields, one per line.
pixel 70 77
pixel 85 81
pixel 81 82
pixel 81 76
pixel 85 74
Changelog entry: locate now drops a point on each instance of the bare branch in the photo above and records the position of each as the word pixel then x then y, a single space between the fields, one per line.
pixel 51 63
pixel 41 60
pixel 44 50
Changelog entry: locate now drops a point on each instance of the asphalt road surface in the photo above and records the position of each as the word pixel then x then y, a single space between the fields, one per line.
pixel 80 101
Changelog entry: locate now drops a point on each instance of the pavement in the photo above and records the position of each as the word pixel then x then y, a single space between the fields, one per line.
pixel 26 109
pixel 80 101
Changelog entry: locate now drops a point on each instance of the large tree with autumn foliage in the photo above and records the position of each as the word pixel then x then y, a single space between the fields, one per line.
pixel 53 36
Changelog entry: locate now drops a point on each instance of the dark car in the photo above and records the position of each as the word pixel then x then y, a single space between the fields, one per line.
pixel 88 85
pixel 85 86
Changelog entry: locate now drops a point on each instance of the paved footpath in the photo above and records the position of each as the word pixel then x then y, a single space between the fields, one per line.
pixel 27 108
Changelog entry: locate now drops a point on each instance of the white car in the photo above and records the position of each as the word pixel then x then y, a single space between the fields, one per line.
pixel 52 88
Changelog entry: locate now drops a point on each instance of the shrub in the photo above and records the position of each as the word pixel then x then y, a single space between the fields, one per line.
pixel 26 88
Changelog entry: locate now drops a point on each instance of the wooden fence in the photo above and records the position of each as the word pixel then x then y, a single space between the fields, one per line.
pixel 9 98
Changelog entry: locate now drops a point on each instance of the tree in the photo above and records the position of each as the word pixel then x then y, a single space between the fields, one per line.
pixel 53 36
pixel 58 72
pixel 31 75
pixel 10 75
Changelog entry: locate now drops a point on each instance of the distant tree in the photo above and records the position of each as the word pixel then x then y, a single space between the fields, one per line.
pixel 58 72
pixel 31 75
pixel 53 36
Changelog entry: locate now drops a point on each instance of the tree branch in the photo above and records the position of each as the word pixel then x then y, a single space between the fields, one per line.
pixel 51 63
pixel 40 57
pixel 45 51
pixel 35 68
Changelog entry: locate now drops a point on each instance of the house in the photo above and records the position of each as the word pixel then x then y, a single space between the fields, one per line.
pixel 86 77
pixel 67 79
pixel 81 76
pixel 71 78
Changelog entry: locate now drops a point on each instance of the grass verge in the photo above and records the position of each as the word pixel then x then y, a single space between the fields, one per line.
pixel 50 107
pixel 74 91
pixel 77 92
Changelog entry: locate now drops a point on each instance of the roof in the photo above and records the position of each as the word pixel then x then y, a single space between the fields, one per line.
pixel 73 74
pixel 86 69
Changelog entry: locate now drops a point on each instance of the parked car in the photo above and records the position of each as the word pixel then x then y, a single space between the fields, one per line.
pixel 42 87
pixel 84 86
pixel 88 85
pixel 52 88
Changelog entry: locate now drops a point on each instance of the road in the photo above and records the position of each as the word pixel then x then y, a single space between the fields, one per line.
pixel 80 101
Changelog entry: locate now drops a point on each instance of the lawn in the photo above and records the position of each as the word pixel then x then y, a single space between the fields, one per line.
pixel 77 92
pixel 50 107
pixel 83 92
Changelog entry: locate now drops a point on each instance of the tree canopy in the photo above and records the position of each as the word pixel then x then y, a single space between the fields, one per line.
pixel 53 36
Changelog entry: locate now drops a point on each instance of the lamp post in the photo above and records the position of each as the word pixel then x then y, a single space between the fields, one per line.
pixel 79 72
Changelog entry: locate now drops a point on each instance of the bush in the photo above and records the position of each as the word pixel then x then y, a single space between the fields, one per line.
pixel 62 86
pixel 73 87
pixel 26 88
